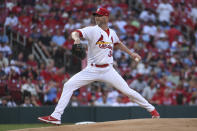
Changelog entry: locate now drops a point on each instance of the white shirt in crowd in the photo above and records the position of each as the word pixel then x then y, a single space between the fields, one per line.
pixel 164 10
pixel 148 93
pixel 30 88
pixel 138 85
pixel 194 14
pixel 6 50
pixel 151 30
pixel 11 21
pixel 146 16
pixel 112 96
pixel 121 24
pixel 4 62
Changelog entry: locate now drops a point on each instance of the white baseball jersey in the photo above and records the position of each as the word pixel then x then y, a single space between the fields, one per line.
pixel 100 48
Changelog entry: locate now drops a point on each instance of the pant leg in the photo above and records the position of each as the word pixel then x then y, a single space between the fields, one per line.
pixel 113 78
pixel 80 79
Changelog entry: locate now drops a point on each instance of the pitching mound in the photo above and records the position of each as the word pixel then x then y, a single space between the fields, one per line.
pixel 129 125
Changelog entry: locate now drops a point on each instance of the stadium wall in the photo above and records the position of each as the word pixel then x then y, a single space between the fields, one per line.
pixel 98 114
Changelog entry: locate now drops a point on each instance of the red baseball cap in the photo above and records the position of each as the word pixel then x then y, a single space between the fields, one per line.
pixel 101 11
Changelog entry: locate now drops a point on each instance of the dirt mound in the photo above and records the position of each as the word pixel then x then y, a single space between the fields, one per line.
pixel 178 124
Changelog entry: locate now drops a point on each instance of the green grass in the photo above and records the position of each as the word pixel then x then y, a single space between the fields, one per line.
pixel 5 127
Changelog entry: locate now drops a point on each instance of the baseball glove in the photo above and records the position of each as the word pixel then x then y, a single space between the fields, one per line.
pixel 79 50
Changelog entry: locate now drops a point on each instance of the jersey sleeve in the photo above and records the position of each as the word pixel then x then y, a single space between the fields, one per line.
pixel 116 39
pixel 86 32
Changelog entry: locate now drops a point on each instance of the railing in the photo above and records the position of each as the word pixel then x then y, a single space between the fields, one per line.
pixel 21 41
pixel 16 37
pixel 38 53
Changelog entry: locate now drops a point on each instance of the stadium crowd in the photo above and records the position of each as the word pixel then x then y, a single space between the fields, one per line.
pixel 163 32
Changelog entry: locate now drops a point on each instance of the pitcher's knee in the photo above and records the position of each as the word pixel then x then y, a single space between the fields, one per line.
pixel 69 86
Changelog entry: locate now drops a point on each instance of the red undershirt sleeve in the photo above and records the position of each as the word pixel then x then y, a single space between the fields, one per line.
pixel 116 44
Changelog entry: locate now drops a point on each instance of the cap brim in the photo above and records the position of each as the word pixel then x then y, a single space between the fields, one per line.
pixel 94 14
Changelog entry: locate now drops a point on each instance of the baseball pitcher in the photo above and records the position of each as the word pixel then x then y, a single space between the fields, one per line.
pixel 101 41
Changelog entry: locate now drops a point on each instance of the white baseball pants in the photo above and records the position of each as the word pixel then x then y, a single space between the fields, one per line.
pixel 91 74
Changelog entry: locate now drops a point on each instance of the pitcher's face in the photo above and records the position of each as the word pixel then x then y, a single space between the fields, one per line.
pixel 100 20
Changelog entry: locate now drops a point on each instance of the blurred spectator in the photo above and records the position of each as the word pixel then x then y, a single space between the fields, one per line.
pixel 121 23
pixel 193 12
pixel 35 34
pixel 74 101
pixel 143 68
pixel 102 101
pixel 162 44
pixel 29 72
pixel 180 95
pixel 4 102
pixel 149 91
pixel 3 37
pixel 167 99
pixel 123 62
pixel 13 73
pixel 193 101
pixel 29 88
pixel 11 20
pixel 31 61
pixel 3 60
pixel 68 44
pixel 3 75
pixel 150 29
pixel 189 60
pixel 118 102
pixel 42 7
pixel 45 42
pixel 24 19
pixel 27 102
pixel 157 99
pixel 57 42
pixel 19 61
pixel 164 9
pixel 174 78
pixel 5 49
pixel 35 101
pixel 50 93
pixel 70 25
pixel 9 5
pixel 11 102
pixel 147 15
pixel 112 95
pixel 173 33
pixel 17 8
pixel 48 71
pixel 138 84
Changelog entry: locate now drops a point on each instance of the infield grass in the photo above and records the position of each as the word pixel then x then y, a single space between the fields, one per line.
pixel 6 127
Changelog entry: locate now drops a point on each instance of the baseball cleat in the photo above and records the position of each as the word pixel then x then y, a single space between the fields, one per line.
pixel 50 120
pixel 155 114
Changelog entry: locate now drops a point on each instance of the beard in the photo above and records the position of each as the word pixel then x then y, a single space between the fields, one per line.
pixel 100 23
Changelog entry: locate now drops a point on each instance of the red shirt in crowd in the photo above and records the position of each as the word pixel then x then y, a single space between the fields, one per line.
pixel 172 34
pixel 25 20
